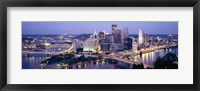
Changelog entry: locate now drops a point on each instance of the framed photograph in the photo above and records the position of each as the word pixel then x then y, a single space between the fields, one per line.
pixel 90 45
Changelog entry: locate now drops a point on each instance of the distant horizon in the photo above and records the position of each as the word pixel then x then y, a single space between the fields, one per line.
pixel 86 27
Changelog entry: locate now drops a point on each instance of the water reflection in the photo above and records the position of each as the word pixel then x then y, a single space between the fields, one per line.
pixel 148 59
pixel 33 61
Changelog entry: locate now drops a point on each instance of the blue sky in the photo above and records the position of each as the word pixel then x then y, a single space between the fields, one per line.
pixel 75 27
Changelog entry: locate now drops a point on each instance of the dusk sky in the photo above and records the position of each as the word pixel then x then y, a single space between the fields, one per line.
pixel 90 26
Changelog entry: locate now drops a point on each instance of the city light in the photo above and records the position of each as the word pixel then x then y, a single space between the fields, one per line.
pixel 99 48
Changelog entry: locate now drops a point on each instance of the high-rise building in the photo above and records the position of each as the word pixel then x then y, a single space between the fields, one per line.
pixel 95 35
pixel 101 35
pixel 146 44
pixel 91 43
pixel 128 43
pixel 134 44
pixel 116 32
pixel 105 47
pixel 122 37
pixel 106 42
pixel 77 44
pixel 114 26
pixel 117 46
pixel 141 37
pixel 108 38
pixel 126 32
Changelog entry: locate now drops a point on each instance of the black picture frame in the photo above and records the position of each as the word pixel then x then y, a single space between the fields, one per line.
pixel 99 3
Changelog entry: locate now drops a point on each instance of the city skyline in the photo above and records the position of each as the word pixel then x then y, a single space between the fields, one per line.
pixel 90 27
pixel 108 48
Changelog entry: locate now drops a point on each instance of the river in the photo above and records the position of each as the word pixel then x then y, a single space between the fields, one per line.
pixel 33 61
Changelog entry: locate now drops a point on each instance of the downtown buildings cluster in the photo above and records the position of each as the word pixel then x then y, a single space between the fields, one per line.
pixel 119 45
pixel 119 40
pixel 101 42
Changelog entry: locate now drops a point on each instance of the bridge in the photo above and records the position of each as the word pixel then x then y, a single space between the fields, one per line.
pixel 107 56
pixel 147 50
pixel 119 59
pixel 33 52
pixel 123 60
pixel 137 53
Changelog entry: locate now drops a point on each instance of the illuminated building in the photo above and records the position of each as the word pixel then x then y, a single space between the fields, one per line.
pixel 91 43
pixel 95 36
pixel 141 37
pixel 116 32
pixel 146 44
pixel 105 47
pixel 117 46
pixel 106 42
pixel 134 44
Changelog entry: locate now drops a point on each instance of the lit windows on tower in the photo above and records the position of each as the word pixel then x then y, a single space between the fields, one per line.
pixel 141 37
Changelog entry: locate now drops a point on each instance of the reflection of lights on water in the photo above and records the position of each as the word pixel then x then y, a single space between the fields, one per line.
pixel 97 63
pixel 79 66
pixel 30 59
pixel 143 57
pixel 147 57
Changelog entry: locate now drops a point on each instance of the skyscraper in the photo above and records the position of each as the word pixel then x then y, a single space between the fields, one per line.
pixel 141 37
pixel 76 44
pixel 108 38
pixel 101 35
pixel 122 37
pixel 125 32
pixel 128 43
pixel 95 35
pixel 114 26
pixel 146 44
pixel 105 47
pixel 134 44
pixel 116 32
pixel 105 43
